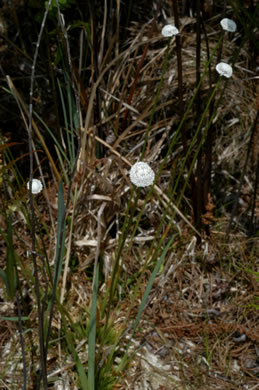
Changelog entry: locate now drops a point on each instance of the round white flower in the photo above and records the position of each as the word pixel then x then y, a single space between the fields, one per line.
pixel 228 25
pixel 224 69
pixel 36 186
pixel 110 138
pixel 169 30
pixel 141 174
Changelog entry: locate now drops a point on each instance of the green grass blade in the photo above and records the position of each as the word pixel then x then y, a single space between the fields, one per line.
pixel 62 165
pixel 150 283
pixel 63 104
pixel 4 277
pixel 79 365
pixel 10 261
pixel 92 334
pixel 60 234
pixel 125 360
pixel 64 109
pixel 71 106
pixel 56 142
pixel 13 318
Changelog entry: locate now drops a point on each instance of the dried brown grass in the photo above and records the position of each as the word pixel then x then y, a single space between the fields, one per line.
pixel 198 330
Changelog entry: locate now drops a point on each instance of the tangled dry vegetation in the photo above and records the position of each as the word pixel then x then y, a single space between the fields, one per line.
pixel 200 327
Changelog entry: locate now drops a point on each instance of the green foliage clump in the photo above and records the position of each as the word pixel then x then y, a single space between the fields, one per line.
pixel 63 4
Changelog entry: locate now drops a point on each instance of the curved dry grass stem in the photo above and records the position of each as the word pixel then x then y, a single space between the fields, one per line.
pixel 22 104
pixel 89 113
pixel 165 200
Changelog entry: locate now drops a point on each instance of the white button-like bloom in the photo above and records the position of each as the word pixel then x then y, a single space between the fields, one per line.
pixel 228 25
pixel 141 174
pixel 224 69
pixel 169 30
pixel 36 186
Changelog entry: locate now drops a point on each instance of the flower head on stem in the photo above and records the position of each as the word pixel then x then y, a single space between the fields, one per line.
pixel 36 186
pixel 228 25
pixel 224 69
pixel 169 30
pixel 141 174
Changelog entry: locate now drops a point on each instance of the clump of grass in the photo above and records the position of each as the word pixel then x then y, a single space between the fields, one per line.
pixel 108 278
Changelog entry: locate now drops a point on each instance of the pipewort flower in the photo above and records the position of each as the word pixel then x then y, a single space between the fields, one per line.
pixel 36 186
pixel 224 69
pixel 141 174
pixel 169 30
pixel 228 25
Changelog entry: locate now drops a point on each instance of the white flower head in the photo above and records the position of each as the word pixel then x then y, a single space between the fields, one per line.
pixel 36 186
pixel 228 25
pixel 169 30
pixel 141 174
pixel 224 69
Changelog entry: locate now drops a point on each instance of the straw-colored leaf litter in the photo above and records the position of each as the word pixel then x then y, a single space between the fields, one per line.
pixel 199 329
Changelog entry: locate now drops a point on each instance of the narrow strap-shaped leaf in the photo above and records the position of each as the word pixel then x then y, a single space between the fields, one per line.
pixel 79 365
pixel 92 334
pixel 10 261
pixel 150 283
pixel 143 303
pixel 4 277
pixel 60 235
pixel 13 318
